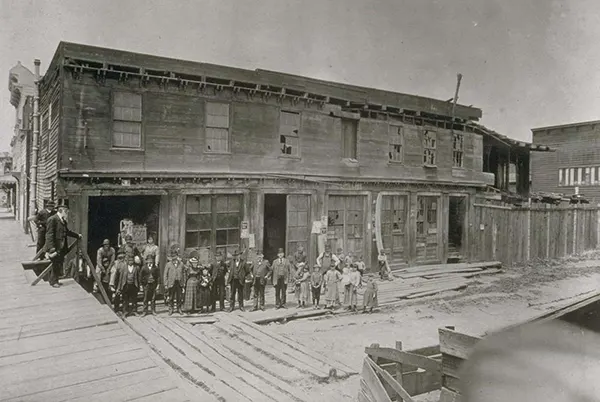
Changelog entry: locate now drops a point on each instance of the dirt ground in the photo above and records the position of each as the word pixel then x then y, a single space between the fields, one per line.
pixel 493 302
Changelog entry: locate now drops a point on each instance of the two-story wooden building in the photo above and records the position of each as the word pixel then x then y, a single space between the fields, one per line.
pixel 219 157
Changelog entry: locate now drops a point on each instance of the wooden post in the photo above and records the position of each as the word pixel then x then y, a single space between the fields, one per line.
pixel 575 229
pixel 399 365
pixel 494 236
pixel 547 233
pixel 528 240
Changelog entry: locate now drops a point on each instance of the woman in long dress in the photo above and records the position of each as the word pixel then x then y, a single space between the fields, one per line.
pixel 190 303
pixel 332 292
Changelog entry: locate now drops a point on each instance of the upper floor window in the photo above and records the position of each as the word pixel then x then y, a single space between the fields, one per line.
pixel 349 138
pixel 217 127
pixel 289 129
pixel 458 149
pixel 429 147
pixel 127 120
pixel 579 176
pixel 396 144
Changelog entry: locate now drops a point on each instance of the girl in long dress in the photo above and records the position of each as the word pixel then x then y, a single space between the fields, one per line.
pixel 332 293
pixel 305 286
pixel 370 296
pixel 355 282
pixel 204 300
pixel 190 302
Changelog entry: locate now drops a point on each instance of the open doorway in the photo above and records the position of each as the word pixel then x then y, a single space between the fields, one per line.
pixel 275 224
pixel 106 213
pixel 457 211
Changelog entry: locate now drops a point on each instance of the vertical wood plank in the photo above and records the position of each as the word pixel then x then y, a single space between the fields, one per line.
pixel 528 234
pixel 575 230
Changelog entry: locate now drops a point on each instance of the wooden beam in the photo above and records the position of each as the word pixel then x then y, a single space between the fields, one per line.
pixel 390 380
pixel 97 279
pixel 456 344
pixel 403 357
pixel 45 272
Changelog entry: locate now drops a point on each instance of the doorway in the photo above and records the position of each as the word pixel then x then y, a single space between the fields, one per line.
pixel 457 210
pixel 427 230
pixel 106 212
pixel 275 224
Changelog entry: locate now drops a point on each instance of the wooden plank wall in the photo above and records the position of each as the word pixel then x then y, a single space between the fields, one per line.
pixel 455 348
pixel 517 235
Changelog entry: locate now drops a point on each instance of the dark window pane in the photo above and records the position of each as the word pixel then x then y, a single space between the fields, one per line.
pixel 221 237
pixel 192 205
pixel 191 222
pixel 233 236
pixel 204 238
pixel 235 202
pixel 228 221
pixel 191 239
pixel 221 203
pixel 205 221
pixel 204 202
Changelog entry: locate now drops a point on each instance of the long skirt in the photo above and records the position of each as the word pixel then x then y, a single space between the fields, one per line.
pixel 190 302
pixel 370 298
pixel 305 292
pixel 347 294
pixel 332 294
pixel 204 297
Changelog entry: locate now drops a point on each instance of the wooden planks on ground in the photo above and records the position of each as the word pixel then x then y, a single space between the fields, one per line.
pixel 489 271
pixel 448 267
pixel 437 271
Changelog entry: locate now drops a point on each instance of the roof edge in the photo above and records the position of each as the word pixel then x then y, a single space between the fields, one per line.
pixel 568 125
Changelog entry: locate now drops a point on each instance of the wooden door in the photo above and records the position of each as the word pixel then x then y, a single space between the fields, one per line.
pixel 298 222
pixel 427 229
pixel 346 223
pixel 394 213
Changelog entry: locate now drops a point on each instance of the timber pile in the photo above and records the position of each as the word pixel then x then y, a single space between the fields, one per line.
pixel 236 360
pixel 445 269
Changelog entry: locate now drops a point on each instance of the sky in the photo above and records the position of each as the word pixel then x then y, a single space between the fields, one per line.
pixel 525 63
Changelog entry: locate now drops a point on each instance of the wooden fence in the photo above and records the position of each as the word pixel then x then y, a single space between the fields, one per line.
pixel 520 234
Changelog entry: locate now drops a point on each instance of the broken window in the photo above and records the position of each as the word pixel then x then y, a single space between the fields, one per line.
pixel 349 138
pixel 396 143
pixel 289 129
pixel 457 150
pixel 429 147
pixel 217 127
pixel 127 120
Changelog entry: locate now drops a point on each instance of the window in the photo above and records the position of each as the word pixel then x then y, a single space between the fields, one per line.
pixel 127 120
pixel 579 176
pixel 396 144
pixel 289 129
pixel 429 146
pixel 217 127
pixel 349 138
pixel 213 222
pixel 457 150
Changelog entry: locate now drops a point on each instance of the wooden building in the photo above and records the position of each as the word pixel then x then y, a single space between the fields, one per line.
pixel 219 157
pixel 574 165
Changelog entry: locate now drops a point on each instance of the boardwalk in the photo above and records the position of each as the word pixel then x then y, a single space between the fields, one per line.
pixel 61 344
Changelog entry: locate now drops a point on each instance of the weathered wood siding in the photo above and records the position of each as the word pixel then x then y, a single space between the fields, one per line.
pixel 576 146
pixel 173 138
pixel 50 119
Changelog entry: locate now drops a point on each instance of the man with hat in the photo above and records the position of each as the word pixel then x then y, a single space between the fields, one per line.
pixel 149 279
pixel 41 221
pixel 57 232
pixel 281 271
pixel 106 251
pixel 103 271
pixel 130 248
pixel 218 273
pixel 129 284
pixel 115 273
pixel 238 272
pixel 326 259
pixel 174 280
pixel 261 272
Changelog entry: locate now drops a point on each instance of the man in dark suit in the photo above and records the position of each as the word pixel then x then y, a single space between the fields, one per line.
pixel 41 221
pixel 150 275
pixel 56 241
pixel 219 271
pixel 237 275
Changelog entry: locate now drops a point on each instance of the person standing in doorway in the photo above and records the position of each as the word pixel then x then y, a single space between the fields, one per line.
pixel 129 285
pixel 41 222
pixel 57 232
pixel 149 278
pixel 115 275
pixel 237 275
pixel 130 248
pixel 151 249
pixel 281 272
pixel 299 257
pixel 261 271
pixel 103 272
pixel 219 269
pixel 174 280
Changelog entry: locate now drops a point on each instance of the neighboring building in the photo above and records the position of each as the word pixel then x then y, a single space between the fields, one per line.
pixel 7 181
pixel 219 157
pixel 21 85
pixel 576 163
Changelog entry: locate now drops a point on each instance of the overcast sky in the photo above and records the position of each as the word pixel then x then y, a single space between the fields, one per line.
pixel 526 63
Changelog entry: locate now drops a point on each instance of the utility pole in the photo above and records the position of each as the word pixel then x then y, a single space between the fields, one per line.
pixel 35 140
pixel 455 100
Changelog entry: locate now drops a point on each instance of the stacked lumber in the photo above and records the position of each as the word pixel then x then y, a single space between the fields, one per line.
pixel 234 359
pixel 444 269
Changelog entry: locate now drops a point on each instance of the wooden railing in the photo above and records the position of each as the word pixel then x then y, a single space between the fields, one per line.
pixel 394 374
pixel 88 262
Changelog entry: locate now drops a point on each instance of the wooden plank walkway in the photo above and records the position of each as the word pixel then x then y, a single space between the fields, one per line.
pixel 61 344
pixel 233 359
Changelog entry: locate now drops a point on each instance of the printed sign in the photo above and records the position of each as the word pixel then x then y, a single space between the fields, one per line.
pixel 245 232
pixel 251 241
pixel 316 227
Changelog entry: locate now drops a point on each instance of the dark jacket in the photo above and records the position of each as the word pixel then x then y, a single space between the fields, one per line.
pixel 41 219
pixel 122 276
pixel 218 272
pixel 241 270
pixel 56 235
pixel 147 272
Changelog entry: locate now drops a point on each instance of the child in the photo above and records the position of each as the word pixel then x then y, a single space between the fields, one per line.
pixel 316 280
pixel 341 259
pixel 370 296
pixel 332 293
pixel 347 286
pixel 385 273
pixel 298 284
pixel 355 280
pixel 204 290
pixel 304 286
pixel 360 265
pixel 349 260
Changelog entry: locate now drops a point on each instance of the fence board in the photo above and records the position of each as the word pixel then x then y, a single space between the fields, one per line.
pixel 514 235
